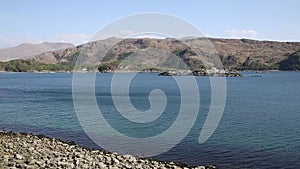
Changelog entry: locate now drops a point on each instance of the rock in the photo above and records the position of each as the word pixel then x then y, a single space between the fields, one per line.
pixel 139 166
pixel 200 167
pixel 116 161
pixel 77 162
pixel 155 163
pixel 85 166
pixel 18 156
pixel 31 167
pixel 211 167
pixel 113 167
pixel 5 156
pixel 10 145
pixel 79 155
pixel 62 164
pixel 40 163
pixel 108 160
pixel 5 159
pixel 129 158
pixel 31 162
pixel 102 165
pixel 128 166
pixel 30 149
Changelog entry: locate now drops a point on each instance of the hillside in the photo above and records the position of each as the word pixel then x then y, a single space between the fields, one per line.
pixel 234 53
pixel 27 50
pixel 251 54
pixel 291 63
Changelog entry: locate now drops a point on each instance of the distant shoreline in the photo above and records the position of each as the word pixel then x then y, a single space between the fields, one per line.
pixel 50 72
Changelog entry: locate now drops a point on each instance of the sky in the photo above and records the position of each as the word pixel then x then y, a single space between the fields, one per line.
pixel 34 21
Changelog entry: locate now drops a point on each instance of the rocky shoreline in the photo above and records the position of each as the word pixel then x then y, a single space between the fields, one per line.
pixel 21 150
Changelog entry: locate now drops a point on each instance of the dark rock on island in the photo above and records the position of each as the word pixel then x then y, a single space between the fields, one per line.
pixel 214 72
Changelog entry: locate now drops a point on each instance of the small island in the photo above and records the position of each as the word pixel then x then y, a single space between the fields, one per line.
pixel 203 72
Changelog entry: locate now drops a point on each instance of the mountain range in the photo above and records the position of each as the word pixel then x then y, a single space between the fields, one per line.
pixel 144 53
pixel 195 52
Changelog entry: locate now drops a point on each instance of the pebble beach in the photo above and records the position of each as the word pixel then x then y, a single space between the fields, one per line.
pixel 21 150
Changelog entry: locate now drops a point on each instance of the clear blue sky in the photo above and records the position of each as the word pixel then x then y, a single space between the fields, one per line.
pixel 74 21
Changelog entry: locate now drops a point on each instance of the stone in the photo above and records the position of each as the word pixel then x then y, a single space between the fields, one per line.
pixel 5 156
pixel 113 167
pixel 139 166
pixel 85 166
pixel 102 165
pixel 18 156
pixel 116 161
pixel 200 167
pixel 10 145
pixel 129 158
pixel 108 159
pixel 31 149
pixel 31 167
pixel 79 155
pixel 32 162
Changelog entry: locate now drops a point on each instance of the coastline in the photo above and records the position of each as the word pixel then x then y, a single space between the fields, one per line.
pixel 22 150
pixel 46 71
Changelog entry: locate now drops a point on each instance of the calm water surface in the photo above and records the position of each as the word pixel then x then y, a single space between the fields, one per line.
pixel 260 127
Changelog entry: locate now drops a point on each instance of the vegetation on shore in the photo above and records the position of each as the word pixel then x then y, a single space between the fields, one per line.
pixel 21 65
pixel 291 63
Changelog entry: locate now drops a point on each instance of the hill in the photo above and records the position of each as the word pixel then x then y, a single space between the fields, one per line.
pixel 238 54
pixel 27 50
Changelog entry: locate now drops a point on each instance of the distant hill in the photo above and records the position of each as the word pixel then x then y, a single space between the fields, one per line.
pixel 27 50
pixel 238 54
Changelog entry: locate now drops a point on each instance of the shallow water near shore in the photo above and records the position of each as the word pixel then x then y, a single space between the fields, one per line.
pixel 259 129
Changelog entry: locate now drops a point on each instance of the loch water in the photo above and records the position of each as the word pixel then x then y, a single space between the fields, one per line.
pixel 260 126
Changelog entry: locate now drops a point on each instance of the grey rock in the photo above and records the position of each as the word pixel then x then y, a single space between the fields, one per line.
pixel 85 166
pixel 113 167
pixel 32 162
pixel 108 159
pixel 200 167
pixel 116 161
pixel 102 165
pixel 130 158
pixel 31 149
pixel 18 156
